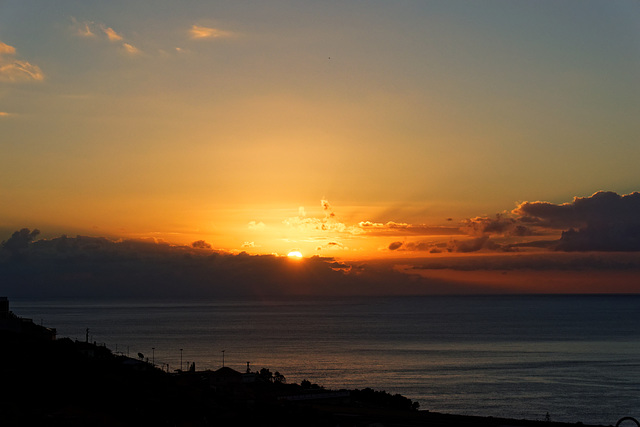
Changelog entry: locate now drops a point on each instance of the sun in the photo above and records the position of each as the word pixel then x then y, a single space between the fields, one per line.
pixel 295 254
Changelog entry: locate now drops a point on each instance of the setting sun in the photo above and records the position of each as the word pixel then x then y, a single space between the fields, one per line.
pixel 294 254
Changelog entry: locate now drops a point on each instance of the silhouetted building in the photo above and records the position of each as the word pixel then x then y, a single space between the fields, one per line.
pixel 12 323
pixel 225 379
pixel 4 307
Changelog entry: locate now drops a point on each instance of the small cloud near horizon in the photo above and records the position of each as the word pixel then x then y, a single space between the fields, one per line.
pixel 201 244
pixel 332 246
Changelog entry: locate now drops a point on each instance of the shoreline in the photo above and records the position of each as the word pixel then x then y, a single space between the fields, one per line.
pixel 63 382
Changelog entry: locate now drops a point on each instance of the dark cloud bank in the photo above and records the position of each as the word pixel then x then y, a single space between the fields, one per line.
pixel 605 221
pixel 96 267
pixel 99 267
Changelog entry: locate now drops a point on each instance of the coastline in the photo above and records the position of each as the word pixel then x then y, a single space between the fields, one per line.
pixel 64 382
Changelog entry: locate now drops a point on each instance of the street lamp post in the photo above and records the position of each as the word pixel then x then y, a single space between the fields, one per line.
pixel 223 358
pixel 153 356
pixel 181 359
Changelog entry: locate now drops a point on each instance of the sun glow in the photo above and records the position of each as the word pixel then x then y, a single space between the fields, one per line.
pixel 294 254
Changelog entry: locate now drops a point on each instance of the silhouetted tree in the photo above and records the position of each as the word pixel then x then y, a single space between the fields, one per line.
pixel 308 385
pixel 279 378
pixel 265 375
pixel 383 399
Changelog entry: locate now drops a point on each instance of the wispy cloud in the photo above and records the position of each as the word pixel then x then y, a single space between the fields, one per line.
pixel 5 114
pixel 15 70
pixel 111 33
pixel 20 71
pixel 130 49
pixel 198 32
pixel 5 49
pixel 253 225
pixel 328 223
pixel 83 29
pixel 399 228
pixel 90 29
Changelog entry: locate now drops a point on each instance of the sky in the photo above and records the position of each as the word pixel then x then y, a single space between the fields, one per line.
pixel 418 135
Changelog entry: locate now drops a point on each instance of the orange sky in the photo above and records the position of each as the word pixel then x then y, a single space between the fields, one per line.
pixel 347 130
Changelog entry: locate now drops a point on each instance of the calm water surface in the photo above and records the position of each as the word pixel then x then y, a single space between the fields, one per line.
pixel 574 357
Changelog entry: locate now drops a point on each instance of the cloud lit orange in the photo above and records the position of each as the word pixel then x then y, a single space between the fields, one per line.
pixel 200 32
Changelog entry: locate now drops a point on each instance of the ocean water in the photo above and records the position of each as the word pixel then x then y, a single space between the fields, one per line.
pixel 576 358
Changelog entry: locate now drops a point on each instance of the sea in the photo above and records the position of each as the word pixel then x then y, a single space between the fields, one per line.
pixel 568 358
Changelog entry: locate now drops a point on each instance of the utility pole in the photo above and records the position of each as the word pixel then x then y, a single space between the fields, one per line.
pixel 153 356
pixel 223 358
pixel 181 359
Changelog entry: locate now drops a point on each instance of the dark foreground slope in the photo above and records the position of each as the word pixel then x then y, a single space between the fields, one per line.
pixel 66 383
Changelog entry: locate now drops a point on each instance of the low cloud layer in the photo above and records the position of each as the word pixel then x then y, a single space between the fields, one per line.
pixel 452 246
pixel 97 267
